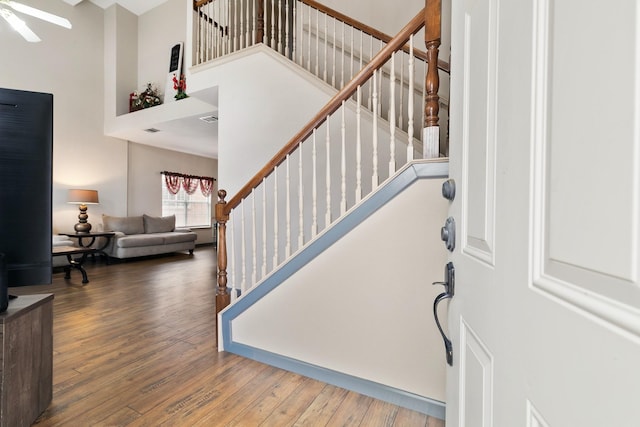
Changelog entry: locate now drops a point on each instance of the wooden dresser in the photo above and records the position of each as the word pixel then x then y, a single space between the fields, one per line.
pixel 26 359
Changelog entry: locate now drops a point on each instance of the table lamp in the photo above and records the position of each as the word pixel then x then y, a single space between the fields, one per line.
pixel 83 198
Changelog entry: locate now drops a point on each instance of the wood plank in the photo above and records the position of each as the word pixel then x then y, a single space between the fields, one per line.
pixel 351 411
pixel 323 406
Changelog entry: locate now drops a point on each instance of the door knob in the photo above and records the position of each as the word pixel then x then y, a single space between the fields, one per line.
pixel 448 234
pixel 449 189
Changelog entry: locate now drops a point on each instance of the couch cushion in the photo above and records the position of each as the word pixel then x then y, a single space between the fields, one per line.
pixel 125 224
pixel 179 237
pixel 153 224
pixel 58 240
pixel 138 240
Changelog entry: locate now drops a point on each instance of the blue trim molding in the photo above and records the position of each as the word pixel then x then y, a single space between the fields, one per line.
pixel 387 191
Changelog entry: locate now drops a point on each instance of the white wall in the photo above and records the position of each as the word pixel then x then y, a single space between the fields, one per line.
pixel 370 317
pixel 158 31
pixel 145 188
pixel 386 16
pixel 263 102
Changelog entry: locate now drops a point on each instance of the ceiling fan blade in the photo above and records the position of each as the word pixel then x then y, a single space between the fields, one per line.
pixel 37 13
pixel 20 26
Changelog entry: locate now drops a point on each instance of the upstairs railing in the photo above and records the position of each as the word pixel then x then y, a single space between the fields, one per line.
pixel 325 42
pixel 338 158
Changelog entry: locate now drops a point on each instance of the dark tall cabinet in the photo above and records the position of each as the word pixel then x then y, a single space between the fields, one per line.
pixel 26 141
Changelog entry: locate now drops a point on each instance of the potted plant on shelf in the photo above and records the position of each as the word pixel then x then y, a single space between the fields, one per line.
pixel 148 98
pixel 180 86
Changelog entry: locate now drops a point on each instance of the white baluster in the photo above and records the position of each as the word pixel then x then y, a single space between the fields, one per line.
pixel 372 87
pixel 216 30
pixel 333 74
pixel 422 104
pixel 212 29
pixel 353 48
pixel 326 48
pixel 380 79
pixel 361 51
pixel 317 73
pixel 410 102
pixel 204 41
pixel 254 243
pixel 314 187
pixel 199 37
pixel 275 218
pixel 264 227
pixel 300 201
pixel 232 233
pixel 327 217
pixel 343 162
pixel 203 35
pixel 280 26
pixel 392 117
pixel 254 21
pixel 374 101
pixel 309 40
pixel 243 251
pixel 358 144
pixel 401 87
pixel 235 28
pixel 247 34
pixel 210 38
pixel 287 248
pixel 342 59
pixel 228 30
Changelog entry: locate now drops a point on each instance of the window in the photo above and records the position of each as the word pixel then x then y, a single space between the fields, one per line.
pixel 190 210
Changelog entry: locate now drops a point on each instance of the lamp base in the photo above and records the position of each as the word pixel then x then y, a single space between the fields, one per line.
pixel 82 227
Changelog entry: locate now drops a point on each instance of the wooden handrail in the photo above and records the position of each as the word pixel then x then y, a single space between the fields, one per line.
pixel 442 65
pixel 344 94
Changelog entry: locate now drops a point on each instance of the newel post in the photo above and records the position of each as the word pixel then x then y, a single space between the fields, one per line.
pixel 222 294
pixel 432 34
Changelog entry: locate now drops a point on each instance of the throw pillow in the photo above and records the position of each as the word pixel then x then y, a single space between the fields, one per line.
pixel 124 224
pixel 163 224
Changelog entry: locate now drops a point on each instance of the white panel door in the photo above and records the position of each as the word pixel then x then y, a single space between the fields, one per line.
pixel 545 152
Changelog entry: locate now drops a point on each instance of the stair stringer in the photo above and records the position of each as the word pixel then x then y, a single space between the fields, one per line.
pixel 353 307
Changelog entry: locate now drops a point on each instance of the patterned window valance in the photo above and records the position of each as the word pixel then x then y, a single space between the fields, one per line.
pixel 190 183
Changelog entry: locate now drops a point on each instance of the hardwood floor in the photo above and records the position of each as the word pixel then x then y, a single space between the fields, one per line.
pixel 136 347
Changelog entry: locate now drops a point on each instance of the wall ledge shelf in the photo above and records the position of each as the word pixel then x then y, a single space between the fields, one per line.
pixel 163 125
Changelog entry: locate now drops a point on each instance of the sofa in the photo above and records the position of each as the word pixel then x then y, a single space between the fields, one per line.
pixel 137 236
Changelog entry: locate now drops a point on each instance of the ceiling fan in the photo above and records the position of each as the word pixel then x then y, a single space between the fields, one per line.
pixel 20 26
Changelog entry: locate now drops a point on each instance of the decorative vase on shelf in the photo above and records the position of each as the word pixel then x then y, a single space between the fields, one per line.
pixel 180 86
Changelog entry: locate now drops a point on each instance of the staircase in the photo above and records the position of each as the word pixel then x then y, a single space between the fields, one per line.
pixel 323 199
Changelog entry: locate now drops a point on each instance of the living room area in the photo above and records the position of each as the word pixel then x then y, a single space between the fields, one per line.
pixel 73 67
